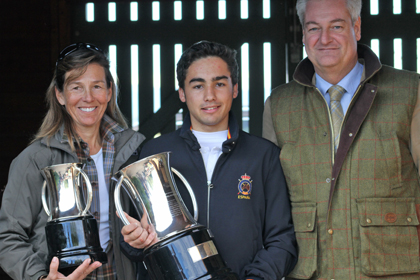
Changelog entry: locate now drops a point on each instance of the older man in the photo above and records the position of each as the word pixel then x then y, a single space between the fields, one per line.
pixel 348 128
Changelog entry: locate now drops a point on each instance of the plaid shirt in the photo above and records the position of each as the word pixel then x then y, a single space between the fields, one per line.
pixel 108 128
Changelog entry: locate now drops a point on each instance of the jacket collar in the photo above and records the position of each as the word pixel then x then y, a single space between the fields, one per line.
pixel 110 130
pixel 305 70
pixel 191 140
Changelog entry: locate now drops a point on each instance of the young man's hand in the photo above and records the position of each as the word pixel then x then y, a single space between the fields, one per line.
pixel 139 234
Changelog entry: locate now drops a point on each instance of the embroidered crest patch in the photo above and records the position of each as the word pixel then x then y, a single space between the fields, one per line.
pixel 245 187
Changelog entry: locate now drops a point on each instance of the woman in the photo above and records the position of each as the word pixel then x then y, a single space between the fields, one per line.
pixel 83 124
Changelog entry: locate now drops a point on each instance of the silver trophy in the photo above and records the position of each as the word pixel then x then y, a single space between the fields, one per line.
pixel 185 249
pixel 71 231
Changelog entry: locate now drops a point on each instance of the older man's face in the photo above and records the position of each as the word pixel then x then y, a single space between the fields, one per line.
pixel 330 37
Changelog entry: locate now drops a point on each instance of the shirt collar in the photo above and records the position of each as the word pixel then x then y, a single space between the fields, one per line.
pixel 109 127
pixel 350 82
pixel 228 134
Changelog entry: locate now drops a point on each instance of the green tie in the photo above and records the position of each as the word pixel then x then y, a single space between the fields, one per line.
pixel 336 92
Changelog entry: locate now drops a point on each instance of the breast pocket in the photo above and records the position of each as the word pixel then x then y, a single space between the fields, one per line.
pixel 388 236
pixel 304 219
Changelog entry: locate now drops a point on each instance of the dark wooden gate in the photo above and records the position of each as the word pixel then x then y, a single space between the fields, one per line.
pixel 233 30
pixel 279 29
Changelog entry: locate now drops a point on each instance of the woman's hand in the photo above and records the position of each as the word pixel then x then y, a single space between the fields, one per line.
pixel 139 234
pixel 80 273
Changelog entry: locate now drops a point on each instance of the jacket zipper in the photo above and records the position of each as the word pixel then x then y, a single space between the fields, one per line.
pixel 209 187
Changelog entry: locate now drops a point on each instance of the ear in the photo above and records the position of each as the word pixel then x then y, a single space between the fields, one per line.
pixel 358 29
pixel 235 91
pixel 59 96
pixel 181 95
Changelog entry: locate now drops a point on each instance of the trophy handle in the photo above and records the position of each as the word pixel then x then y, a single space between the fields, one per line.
pixel 44 199
pixel 117 196
pixel 89 190
pixel 191 192
pixel 117 200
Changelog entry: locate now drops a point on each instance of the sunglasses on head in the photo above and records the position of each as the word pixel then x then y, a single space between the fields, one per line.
pixel 74 47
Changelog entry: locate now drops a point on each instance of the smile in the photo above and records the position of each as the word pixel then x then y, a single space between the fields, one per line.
pixel 88 109
pixel 210 108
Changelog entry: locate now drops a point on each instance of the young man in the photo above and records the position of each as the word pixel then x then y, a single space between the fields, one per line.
pixel 251 222
pixel 348 129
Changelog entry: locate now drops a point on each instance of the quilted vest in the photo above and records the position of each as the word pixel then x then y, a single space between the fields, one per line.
pixel 354 213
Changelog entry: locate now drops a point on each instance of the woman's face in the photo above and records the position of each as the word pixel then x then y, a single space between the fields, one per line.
pixel 86 98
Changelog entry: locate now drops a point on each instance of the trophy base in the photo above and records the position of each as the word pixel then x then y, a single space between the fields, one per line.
pixel 190 255
pixel 73 241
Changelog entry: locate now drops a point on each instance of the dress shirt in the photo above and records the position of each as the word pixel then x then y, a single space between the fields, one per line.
pixel 350 83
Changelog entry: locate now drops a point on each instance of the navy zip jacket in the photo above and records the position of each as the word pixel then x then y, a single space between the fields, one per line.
pixel 252 226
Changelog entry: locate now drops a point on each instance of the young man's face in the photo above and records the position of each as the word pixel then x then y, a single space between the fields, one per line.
pixel 330 37
pixel 209 92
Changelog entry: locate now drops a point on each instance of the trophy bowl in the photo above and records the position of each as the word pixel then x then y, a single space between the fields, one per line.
pixel 71 231
pixel 185 249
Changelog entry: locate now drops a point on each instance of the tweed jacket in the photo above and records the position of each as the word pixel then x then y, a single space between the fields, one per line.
pixel 355 212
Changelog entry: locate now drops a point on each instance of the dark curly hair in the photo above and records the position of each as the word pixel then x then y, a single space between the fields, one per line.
pixel 205 49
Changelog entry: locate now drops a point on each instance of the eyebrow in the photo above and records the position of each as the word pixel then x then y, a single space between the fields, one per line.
pixel 218 78
pixel 332 21
pixel 196 80
pixel 79 82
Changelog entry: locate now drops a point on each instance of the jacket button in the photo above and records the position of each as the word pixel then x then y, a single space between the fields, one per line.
pixel 369 221
pixel 409 220
pixel 330 231
pixel 309 225
pixel 390 217
pixel 328 180
pixel 350 134
pixel 325 134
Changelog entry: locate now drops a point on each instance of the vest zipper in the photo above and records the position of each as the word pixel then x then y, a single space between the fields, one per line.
pixel 331 128
pixel 344 118
pixel 351 102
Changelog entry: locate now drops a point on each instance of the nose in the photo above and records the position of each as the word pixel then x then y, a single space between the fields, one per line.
pixel 209 94
pixel 88 96
pixel 325 36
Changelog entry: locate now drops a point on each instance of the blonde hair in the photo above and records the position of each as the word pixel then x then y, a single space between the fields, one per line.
pixel 57 114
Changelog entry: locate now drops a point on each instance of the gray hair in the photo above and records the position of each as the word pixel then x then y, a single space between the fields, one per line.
pixel 353 6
